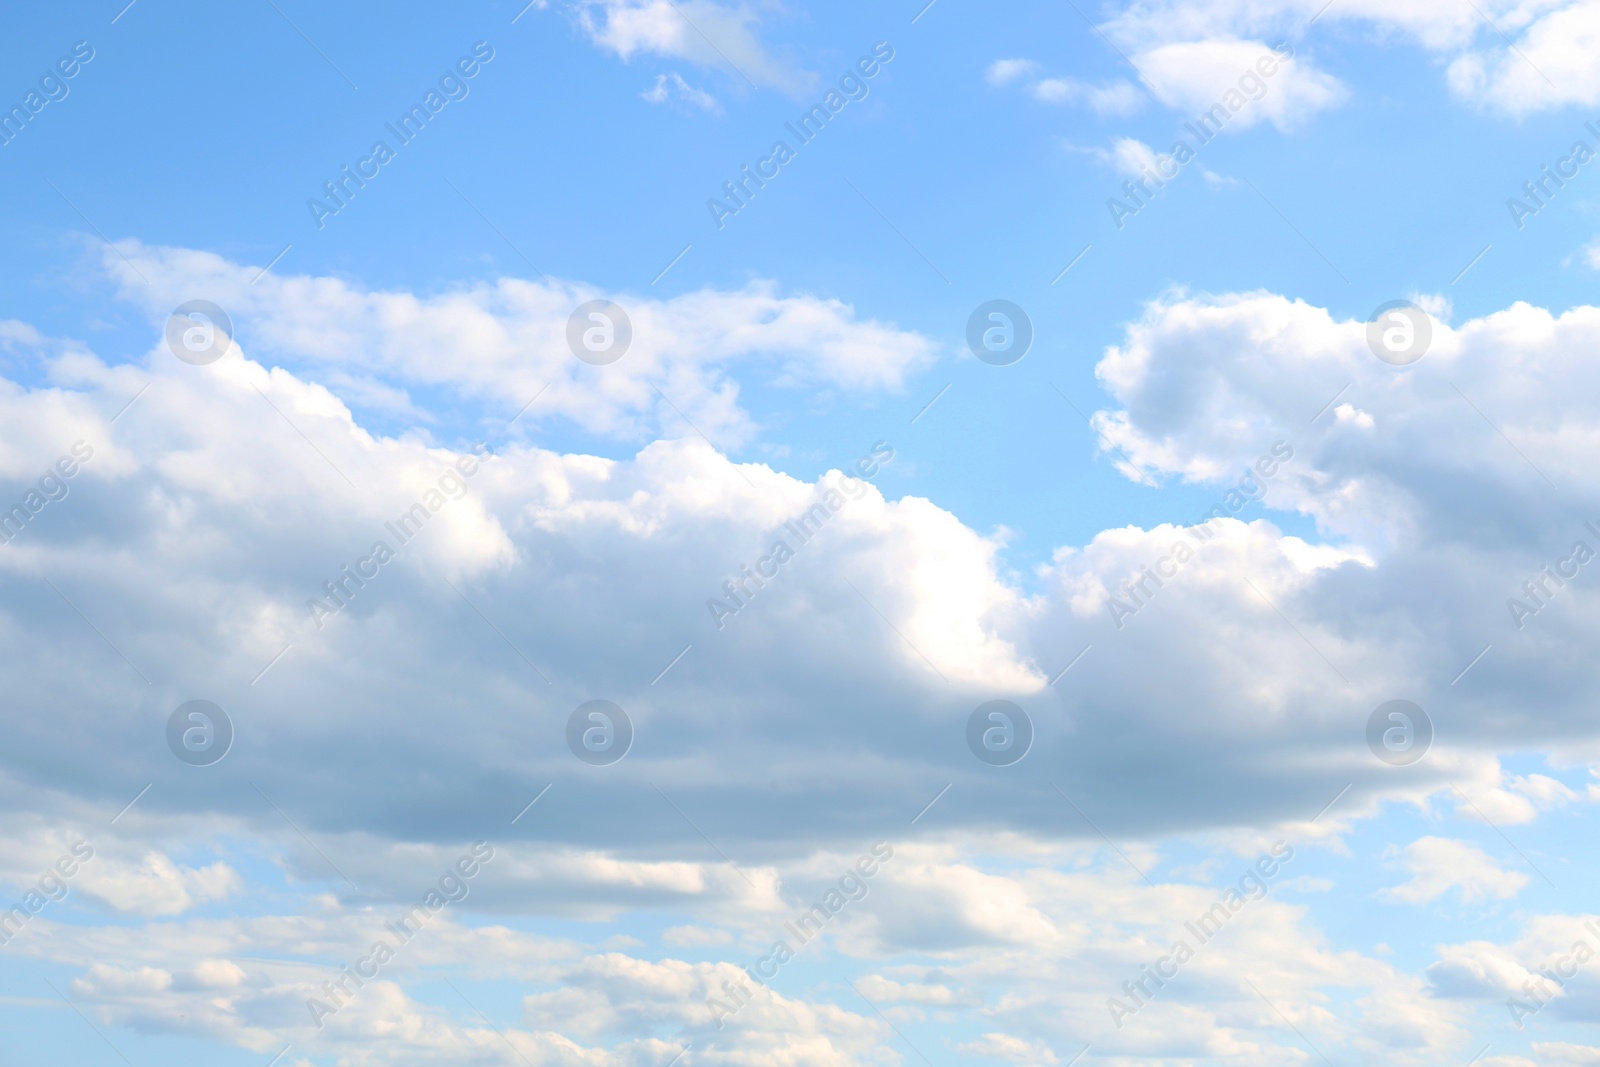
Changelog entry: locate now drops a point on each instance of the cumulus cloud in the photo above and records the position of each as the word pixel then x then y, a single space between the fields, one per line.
pixel 1566 1054
pixel 1237 84
pixel 1440 864
pixel 1222 672
pixel 1552 61
pixel 504 344
pixel 1539 977
pixel 1508 57
pixel 892 597
pixel 245 981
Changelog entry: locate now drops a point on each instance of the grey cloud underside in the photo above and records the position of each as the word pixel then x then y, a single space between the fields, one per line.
pixel 1238 695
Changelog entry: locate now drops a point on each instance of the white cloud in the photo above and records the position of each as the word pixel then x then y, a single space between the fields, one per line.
pixel 594 573
pixel 245 981
pixel 1541 978
pixel 1132 158
pixel 1566 1054
pixel 1224 84
pixel 672 87
pixel 1554 62
pixel 1507 56
pixel 997 1046
pixel 1117 98
pixel 1005 71
pixel 1519 800
pixel 1114 98
pixel 503 344
pixel 1440 864
pixel 932 611
pixel 700 31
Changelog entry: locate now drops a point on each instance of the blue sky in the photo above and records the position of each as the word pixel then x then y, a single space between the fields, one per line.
pixel 185 527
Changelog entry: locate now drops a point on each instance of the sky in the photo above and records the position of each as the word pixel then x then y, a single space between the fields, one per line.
pixel 623 533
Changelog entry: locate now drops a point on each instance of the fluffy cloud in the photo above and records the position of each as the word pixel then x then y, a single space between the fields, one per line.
pixel 996 1046
pixel 1440 864
pixel 1225 78
pixel 1510 57
pixel 1221 684
pixel 1553 61
pixel 246 981
pixel 1546 968
pixel 504 345
pixel 624 559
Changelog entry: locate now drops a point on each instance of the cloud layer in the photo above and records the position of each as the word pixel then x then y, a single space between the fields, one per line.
pixel 1201 679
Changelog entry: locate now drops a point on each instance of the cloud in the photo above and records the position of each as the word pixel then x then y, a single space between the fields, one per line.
pixel 707 34
pixel 1566 1054
pixel 1545 972
pixel 1519 800
pixel 1137 160
pixel 1005 71
pixel 245 981
pixel 672 87
pixel 1224 84
pixel 1555 62
pixel 122 876
pixel 1440 864
pixel 896 618
pixel 432 707
pixel 1115 98
pixel 504 345
pixel 997 1046
pixel 1515 59
pixel 1132 158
